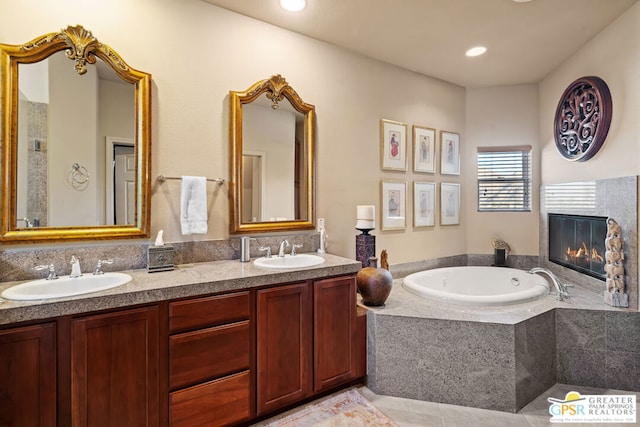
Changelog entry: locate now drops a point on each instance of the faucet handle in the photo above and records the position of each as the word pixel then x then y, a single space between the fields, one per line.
pixel 267 249
pixel 294 247
pixel 50 268
pixel 98 271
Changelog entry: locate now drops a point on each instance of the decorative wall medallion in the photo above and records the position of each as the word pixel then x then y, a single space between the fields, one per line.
pixel 582 118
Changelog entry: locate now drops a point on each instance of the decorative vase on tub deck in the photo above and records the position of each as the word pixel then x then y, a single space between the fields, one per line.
pixel 374 284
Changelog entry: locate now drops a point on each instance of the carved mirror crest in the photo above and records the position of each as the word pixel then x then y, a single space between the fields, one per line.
pixel 75 141
pixel 582 119
pixel 272 159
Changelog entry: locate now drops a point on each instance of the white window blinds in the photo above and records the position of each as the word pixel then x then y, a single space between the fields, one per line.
pixel 504 179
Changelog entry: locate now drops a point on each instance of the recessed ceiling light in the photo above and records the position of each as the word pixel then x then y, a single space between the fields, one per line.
pixel 293 5
pixel 476 51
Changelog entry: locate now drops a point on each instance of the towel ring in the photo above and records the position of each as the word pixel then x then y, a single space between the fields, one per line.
pixel 78 177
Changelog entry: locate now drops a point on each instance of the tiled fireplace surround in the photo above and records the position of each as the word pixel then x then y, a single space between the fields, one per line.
pixel 589 347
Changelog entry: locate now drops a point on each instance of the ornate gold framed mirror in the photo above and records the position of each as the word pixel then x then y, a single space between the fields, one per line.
pixel 76 141
pixel 271 135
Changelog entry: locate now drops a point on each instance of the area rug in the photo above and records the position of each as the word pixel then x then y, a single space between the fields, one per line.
pixel 345 409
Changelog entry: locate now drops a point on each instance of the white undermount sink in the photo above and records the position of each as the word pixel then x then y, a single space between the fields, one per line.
pixel 65 286
pixel 289 261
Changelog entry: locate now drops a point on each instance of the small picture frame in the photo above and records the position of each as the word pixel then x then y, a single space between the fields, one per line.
pixel 393 145
pixel 449 153
pixel 424 149
pixel 393 197
pixel 449 203
pixel 424 204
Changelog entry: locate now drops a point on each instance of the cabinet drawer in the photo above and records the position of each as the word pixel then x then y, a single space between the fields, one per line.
pixel 210 311
pixel 216 403
pixel 208 353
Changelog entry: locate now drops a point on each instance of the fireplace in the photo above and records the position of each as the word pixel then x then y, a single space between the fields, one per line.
pixel 577 242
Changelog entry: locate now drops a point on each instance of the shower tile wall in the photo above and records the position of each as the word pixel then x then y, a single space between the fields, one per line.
pixel 36 139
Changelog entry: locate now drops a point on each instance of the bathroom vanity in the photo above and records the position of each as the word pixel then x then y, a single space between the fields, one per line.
pixel 218 343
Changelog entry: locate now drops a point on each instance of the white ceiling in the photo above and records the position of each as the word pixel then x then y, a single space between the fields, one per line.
pixel 525 40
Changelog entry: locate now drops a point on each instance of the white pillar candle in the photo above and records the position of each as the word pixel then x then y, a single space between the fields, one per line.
pixel 365 217
pixel 366 212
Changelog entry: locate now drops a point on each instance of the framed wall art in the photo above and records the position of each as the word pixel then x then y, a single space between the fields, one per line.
pixel 449 203
pixel 424 149
pixel 393 196
pixel 424 204
pixel 449 153
pixel 393 145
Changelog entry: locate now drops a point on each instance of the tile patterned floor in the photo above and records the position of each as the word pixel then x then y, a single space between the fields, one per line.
pixel 410 413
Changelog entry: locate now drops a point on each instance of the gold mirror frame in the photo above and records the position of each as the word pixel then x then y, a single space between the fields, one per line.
pixel 276 89
pixel 83 48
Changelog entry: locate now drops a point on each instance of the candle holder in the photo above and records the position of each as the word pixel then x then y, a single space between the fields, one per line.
pixel 365 246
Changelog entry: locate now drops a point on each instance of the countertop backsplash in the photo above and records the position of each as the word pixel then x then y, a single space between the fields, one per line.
pixel 18 264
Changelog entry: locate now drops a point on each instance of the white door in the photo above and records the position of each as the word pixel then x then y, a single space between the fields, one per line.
pixel 124 184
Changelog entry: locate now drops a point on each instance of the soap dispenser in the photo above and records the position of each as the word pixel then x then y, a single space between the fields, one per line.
pixel 323 236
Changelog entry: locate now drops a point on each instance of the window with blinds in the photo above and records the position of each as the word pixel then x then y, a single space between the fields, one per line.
pixel 504 179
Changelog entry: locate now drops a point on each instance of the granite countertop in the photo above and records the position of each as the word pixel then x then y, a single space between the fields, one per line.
pixel 405 304
pixel 188 280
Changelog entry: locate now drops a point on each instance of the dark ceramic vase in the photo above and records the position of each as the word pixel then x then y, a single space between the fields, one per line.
pixel 374 285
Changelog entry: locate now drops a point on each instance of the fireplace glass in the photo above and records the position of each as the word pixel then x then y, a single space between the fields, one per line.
pixel 577 242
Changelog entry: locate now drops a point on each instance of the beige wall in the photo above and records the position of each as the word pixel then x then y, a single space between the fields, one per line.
pixel 614 56
pixel 501 116
pixel 70 142
pixel 197 52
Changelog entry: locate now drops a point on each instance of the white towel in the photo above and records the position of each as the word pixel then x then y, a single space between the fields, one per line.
pixel 193 204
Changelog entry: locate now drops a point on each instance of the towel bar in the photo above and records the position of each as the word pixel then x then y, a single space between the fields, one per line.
pixel 162 178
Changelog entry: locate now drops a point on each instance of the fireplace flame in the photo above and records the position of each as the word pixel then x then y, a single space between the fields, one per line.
pixel 583 254
pixel 595 256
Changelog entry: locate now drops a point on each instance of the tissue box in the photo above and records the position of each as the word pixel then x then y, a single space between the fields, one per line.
pixel 160 258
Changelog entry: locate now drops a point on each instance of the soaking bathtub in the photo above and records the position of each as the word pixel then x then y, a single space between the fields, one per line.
pixel 477 286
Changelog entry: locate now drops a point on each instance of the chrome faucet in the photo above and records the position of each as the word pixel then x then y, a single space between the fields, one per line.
pixel 98 271
pixel 294 248
pixel 75 267
pixel 50 268
pixel 283 244
pixel 561 290
pixel 267 251
pixel 28 223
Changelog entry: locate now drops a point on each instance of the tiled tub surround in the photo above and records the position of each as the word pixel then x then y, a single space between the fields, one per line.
pixel 186 281
pixel 616 198
pixel 17 264
pixel 499 358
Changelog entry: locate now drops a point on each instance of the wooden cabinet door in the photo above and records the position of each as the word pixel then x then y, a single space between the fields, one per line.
pixel 28 376
pixel 334 308
pixel 115 369
pixel 284 346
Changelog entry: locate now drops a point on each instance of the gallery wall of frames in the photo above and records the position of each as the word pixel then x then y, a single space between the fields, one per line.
pixel 435 154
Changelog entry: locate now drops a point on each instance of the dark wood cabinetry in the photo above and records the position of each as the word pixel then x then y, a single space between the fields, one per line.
pixel 307 340
pixel 28 376
pixel 284 345
pixel 334 332
pixel 210 360
pixel 115 369
pixel 216 360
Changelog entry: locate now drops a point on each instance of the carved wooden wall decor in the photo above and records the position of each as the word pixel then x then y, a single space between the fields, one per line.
pixel 582 118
